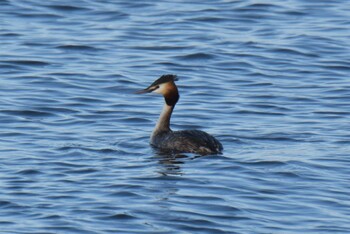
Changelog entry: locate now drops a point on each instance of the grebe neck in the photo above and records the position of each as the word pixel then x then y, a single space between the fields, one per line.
pixel 163 123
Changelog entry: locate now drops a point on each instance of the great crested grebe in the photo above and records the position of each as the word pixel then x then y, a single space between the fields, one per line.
pixel 187 141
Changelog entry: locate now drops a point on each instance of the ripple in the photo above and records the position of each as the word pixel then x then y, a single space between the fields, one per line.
pixel 29 172
pixel 28 113
pixel 27 62
pixel 66 8
pixel 6 204
pixel 249 112
pixel 38 16
pixel 118 217
pixel 161 48
pixel 10 34
pixel 77 48
pixel 210 19
pixel 290 51
pixel 196 56
pixel 71 229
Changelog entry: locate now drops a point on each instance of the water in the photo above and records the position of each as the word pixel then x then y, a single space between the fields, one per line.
pixel 270 79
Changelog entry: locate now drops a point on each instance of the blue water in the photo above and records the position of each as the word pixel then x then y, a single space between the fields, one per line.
pixel 269 79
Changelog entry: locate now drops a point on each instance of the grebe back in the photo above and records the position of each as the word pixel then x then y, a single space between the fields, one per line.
pixel 187 141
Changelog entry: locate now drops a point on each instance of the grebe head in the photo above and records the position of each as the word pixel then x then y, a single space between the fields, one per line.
pixel 166 86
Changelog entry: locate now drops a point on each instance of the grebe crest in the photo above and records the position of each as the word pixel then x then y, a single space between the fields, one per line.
pixel 186 141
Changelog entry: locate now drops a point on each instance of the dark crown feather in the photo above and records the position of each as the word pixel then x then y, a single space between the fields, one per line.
pixel 164 79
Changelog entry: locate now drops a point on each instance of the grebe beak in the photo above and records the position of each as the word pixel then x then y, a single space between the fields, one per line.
pixel 147 90
pixel 143 91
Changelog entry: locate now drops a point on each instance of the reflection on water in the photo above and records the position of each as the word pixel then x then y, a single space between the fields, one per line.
pixel 269 80
pixel 170 164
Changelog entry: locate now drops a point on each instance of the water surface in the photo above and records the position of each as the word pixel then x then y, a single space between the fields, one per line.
pixel 269 79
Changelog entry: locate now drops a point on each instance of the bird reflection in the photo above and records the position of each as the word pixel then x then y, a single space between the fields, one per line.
pixel 170 164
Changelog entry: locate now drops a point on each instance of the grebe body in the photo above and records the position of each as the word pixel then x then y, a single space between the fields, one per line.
pixel 187 141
